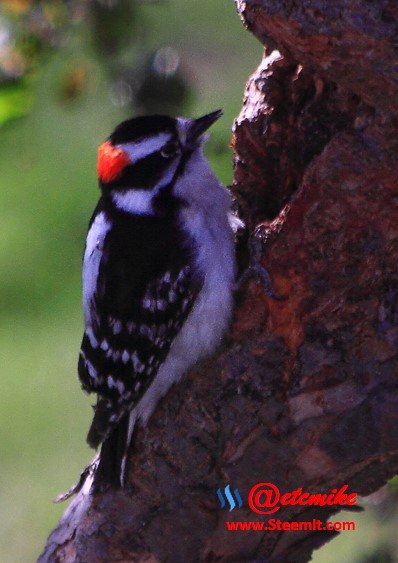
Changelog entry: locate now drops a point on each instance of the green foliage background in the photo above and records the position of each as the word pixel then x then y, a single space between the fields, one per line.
pixel 53 117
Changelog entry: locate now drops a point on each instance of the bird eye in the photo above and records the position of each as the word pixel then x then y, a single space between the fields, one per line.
pixel 170 149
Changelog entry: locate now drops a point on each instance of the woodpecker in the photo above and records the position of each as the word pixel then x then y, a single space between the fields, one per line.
pixel 158 274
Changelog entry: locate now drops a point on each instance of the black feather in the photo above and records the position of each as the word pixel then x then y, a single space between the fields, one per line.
pixel 145 291
pixel 112 451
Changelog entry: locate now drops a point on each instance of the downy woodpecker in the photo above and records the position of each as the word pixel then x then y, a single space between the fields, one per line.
pixel 158 274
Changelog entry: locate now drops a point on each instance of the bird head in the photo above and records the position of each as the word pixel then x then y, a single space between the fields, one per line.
pixel 145 154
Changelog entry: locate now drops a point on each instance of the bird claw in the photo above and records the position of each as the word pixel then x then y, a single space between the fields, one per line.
pixel 77 487
pixel 256 270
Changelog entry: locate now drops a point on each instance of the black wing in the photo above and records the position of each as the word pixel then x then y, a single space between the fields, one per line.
pixel 143 295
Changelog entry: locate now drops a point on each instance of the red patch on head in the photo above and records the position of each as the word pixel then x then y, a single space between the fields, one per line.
pixel 111 161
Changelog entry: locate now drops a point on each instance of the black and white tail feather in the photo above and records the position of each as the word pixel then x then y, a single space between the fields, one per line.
pixel 158 278
pixel 124 353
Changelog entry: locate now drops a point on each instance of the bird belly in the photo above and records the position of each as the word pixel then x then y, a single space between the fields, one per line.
pixel 206 324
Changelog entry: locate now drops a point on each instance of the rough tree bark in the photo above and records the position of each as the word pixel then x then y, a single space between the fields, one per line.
pixel 304 393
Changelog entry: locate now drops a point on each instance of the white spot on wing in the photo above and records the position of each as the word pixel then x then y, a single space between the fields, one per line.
pixel 183 273
pixel 91 370
pixel 161 304
pixel 172 296
pixel 145 331
pixel 130 326
pixel 110 382
pixel 117 327
pixel 136 361
pixel 149 304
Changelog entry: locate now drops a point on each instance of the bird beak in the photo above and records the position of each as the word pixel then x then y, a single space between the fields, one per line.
pixel 197 127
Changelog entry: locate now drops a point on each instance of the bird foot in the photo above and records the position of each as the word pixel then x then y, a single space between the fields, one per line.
pixel 256 270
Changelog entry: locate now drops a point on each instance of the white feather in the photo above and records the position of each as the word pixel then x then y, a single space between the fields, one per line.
pixel 134 201
pixel 139 150
pixel 91 262
pixel 235 222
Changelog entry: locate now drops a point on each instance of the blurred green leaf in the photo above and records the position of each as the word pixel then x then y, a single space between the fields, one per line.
pixel 16 100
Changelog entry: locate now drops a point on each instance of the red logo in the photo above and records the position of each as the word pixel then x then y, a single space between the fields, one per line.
pixel 265 498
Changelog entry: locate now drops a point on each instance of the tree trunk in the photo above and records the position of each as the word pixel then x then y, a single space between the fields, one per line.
pixel 304 393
